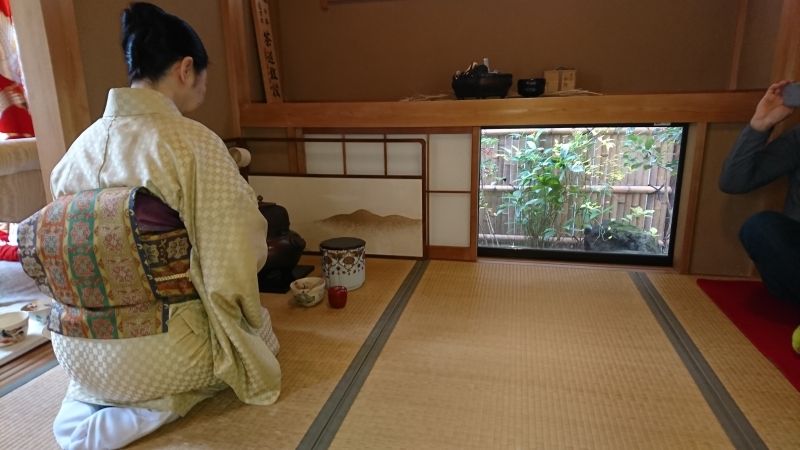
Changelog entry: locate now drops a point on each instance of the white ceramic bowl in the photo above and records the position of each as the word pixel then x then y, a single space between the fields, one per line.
pixel 39 310
pixel 13 328
pixel 308 291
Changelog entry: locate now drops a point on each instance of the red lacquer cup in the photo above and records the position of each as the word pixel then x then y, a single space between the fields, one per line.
pixel 337 296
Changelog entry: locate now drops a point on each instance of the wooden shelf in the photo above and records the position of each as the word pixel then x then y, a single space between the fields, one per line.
pixel 709 107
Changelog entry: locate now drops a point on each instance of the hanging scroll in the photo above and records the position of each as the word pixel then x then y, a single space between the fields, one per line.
pixel 267 53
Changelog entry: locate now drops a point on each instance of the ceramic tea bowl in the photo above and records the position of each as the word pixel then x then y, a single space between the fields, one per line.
pixel 39 310
pixel 13 328
pixel 308 291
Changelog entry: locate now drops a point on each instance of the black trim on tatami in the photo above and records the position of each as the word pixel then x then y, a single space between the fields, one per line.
pixel 736 425
pixel 324 428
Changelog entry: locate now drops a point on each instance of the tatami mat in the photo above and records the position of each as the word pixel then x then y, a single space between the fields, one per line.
pixel 494 355
pixel 487 355
pixel 317 345
pixel 771 403
pixel 27 412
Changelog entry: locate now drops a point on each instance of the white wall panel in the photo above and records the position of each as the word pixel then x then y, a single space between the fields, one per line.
pixel 450 162
pixel 364 158
pixel 324 157
pixel 449 219
pixel 404 158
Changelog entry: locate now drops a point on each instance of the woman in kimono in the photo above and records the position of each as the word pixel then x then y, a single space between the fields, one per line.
pixel 122 389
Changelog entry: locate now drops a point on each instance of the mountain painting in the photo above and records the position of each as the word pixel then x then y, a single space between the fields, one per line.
pixel 386 213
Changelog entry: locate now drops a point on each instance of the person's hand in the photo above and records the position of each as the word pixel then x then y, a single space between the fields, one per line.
pixel 770 109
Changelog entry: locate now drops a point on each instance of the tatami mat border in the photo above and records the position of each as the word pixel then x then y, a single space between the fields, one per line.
pixel 28 377
pixel 736 425
pixel 322 431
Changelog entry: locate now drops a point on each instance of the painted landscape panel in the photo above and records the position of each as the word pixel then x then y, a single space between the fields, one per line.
pixel 386 213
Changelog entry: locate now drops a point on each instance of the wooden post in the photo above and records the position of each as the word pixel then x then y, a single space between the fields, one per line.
pixel 690 197
pixel 738 41
pixel 786 64
pixel 475 170
pixel 232 14
pixel 301 151
pixel 292 147
pixel 267 54
pixel 51 61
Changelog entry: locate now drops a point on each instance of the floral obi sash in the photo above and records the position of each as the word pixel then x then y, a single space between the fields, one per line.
pixel 113 259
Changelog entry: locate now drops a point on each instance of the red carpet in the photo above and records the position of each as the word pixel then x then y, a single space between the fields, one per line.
pixel 765 320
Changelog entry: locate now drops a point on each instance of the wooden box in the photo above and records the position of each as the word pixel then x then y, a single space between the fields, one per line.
pixel 559 80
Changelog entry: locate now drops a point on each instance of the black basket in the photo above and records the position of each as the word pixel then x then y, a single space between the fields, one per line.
pixel 482 85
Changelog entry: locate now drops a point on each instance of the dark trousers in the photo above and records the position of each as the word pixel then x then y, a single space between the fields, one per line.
pixel 773 242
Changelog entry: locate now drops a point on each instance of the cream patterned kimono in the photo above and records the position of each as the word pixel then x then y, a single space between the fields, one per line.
pixel 143 140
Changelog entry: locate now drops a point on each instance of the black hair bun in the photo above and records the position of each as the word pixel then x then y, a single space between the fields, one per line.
pixel 153 40
pixel 141 15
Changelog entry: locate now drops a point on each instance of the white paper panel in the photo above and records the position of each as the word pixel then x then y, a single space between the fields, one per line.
pixel 404 158
pixel 450 162
pixel 449 219
pixel 364 158
pixel 324 157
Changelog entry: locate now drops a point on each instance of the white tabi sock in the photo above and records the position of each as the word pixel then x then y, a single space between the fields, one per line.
pixel 110 427
pixel 72 414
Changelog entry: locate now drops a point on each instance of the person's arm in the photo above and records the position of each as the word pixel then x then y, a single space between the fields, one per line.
pixel 230 234
pixel 752 162
pixel 229 238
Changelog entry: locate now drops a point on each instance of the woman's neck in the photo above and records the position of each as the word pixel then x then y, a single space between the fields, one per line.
pixel 163 86
pixel 156 86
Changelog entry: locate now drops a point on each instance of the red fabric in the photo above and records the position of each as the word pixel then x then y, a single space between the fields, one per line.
pixel 5 8
pixel 766 321
pixel 7 252
pixel 15 120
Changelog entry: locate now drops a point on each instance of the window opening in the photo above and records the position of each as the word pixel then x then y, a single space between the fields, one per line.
pixel 600 193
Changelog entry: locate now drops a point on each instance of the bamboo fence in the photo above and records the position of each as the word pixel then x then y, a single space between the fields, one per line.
pixel 649 189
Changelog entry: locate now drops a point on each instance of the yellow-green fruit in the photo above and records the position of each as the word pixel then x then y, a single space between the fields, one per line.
pixel 796 340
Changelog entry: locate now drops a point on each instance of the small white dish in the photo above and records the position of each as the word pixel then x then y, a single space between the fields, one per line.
pixel 13 328
pixel 39 310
